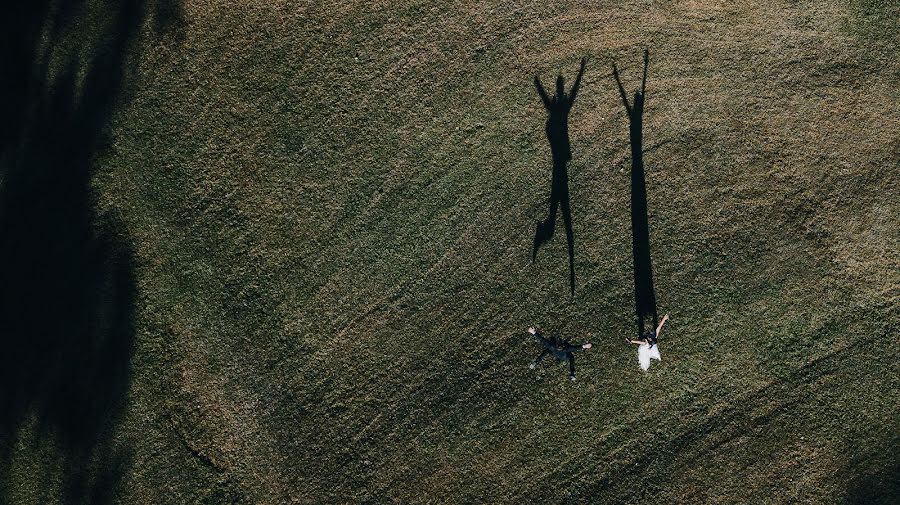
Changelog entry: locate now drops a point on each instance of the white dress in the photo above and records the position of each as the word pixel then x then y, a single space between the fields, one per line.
pixel 646 353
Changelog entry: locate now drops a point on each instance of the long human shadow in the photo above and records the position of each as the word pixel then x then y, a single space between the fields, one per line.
pixel 644 294
pixel 67 282
pixel 557 128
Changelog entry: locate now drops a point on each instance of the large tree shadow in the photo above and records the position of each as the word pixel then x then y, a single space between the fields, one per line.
pixel 67 286
pixel 644 293
pixel 557 128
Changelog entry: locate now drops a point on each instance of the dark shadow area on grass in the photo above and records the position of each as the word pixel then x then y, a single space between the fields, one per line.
pixel 67 285
pixel 881 486
pixel 558 107
pixel 644 293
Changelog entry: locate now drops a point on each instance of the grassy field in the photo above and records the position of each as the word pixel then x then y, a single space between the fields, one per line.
pixel 279 252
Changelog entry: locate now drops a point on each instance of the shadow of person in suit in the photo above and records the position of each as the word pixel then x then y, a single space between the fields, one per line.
pixel 558 107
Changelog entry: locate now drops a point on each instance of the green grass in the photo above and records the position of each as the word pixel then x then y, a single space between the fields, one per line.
pixel 331 208
pixel 877 21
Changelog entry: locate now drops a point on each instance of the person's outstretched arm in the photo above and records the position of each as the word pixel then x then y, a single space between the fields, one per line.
pixel 621 89
pixel 644 80
pixel 577 82
pixel 542 93
pixel 661 323
pixel 576 348
pixel 540 338
pixel 638 342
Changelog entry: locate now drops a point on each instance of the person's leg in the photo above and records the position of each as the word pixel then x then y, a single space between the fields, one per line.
pixel 550 223
pixel 570 235
pixel 545 229
pixel 559 168
pixel 571 365
pixel 537 360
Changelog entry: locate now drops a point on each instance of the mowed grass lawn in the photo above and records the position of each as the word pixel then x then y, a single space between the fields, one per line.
pixel 330 209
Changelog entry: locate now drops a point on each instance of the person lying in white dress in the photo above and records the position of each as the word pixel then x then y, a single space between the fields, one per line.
pixel 647 348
